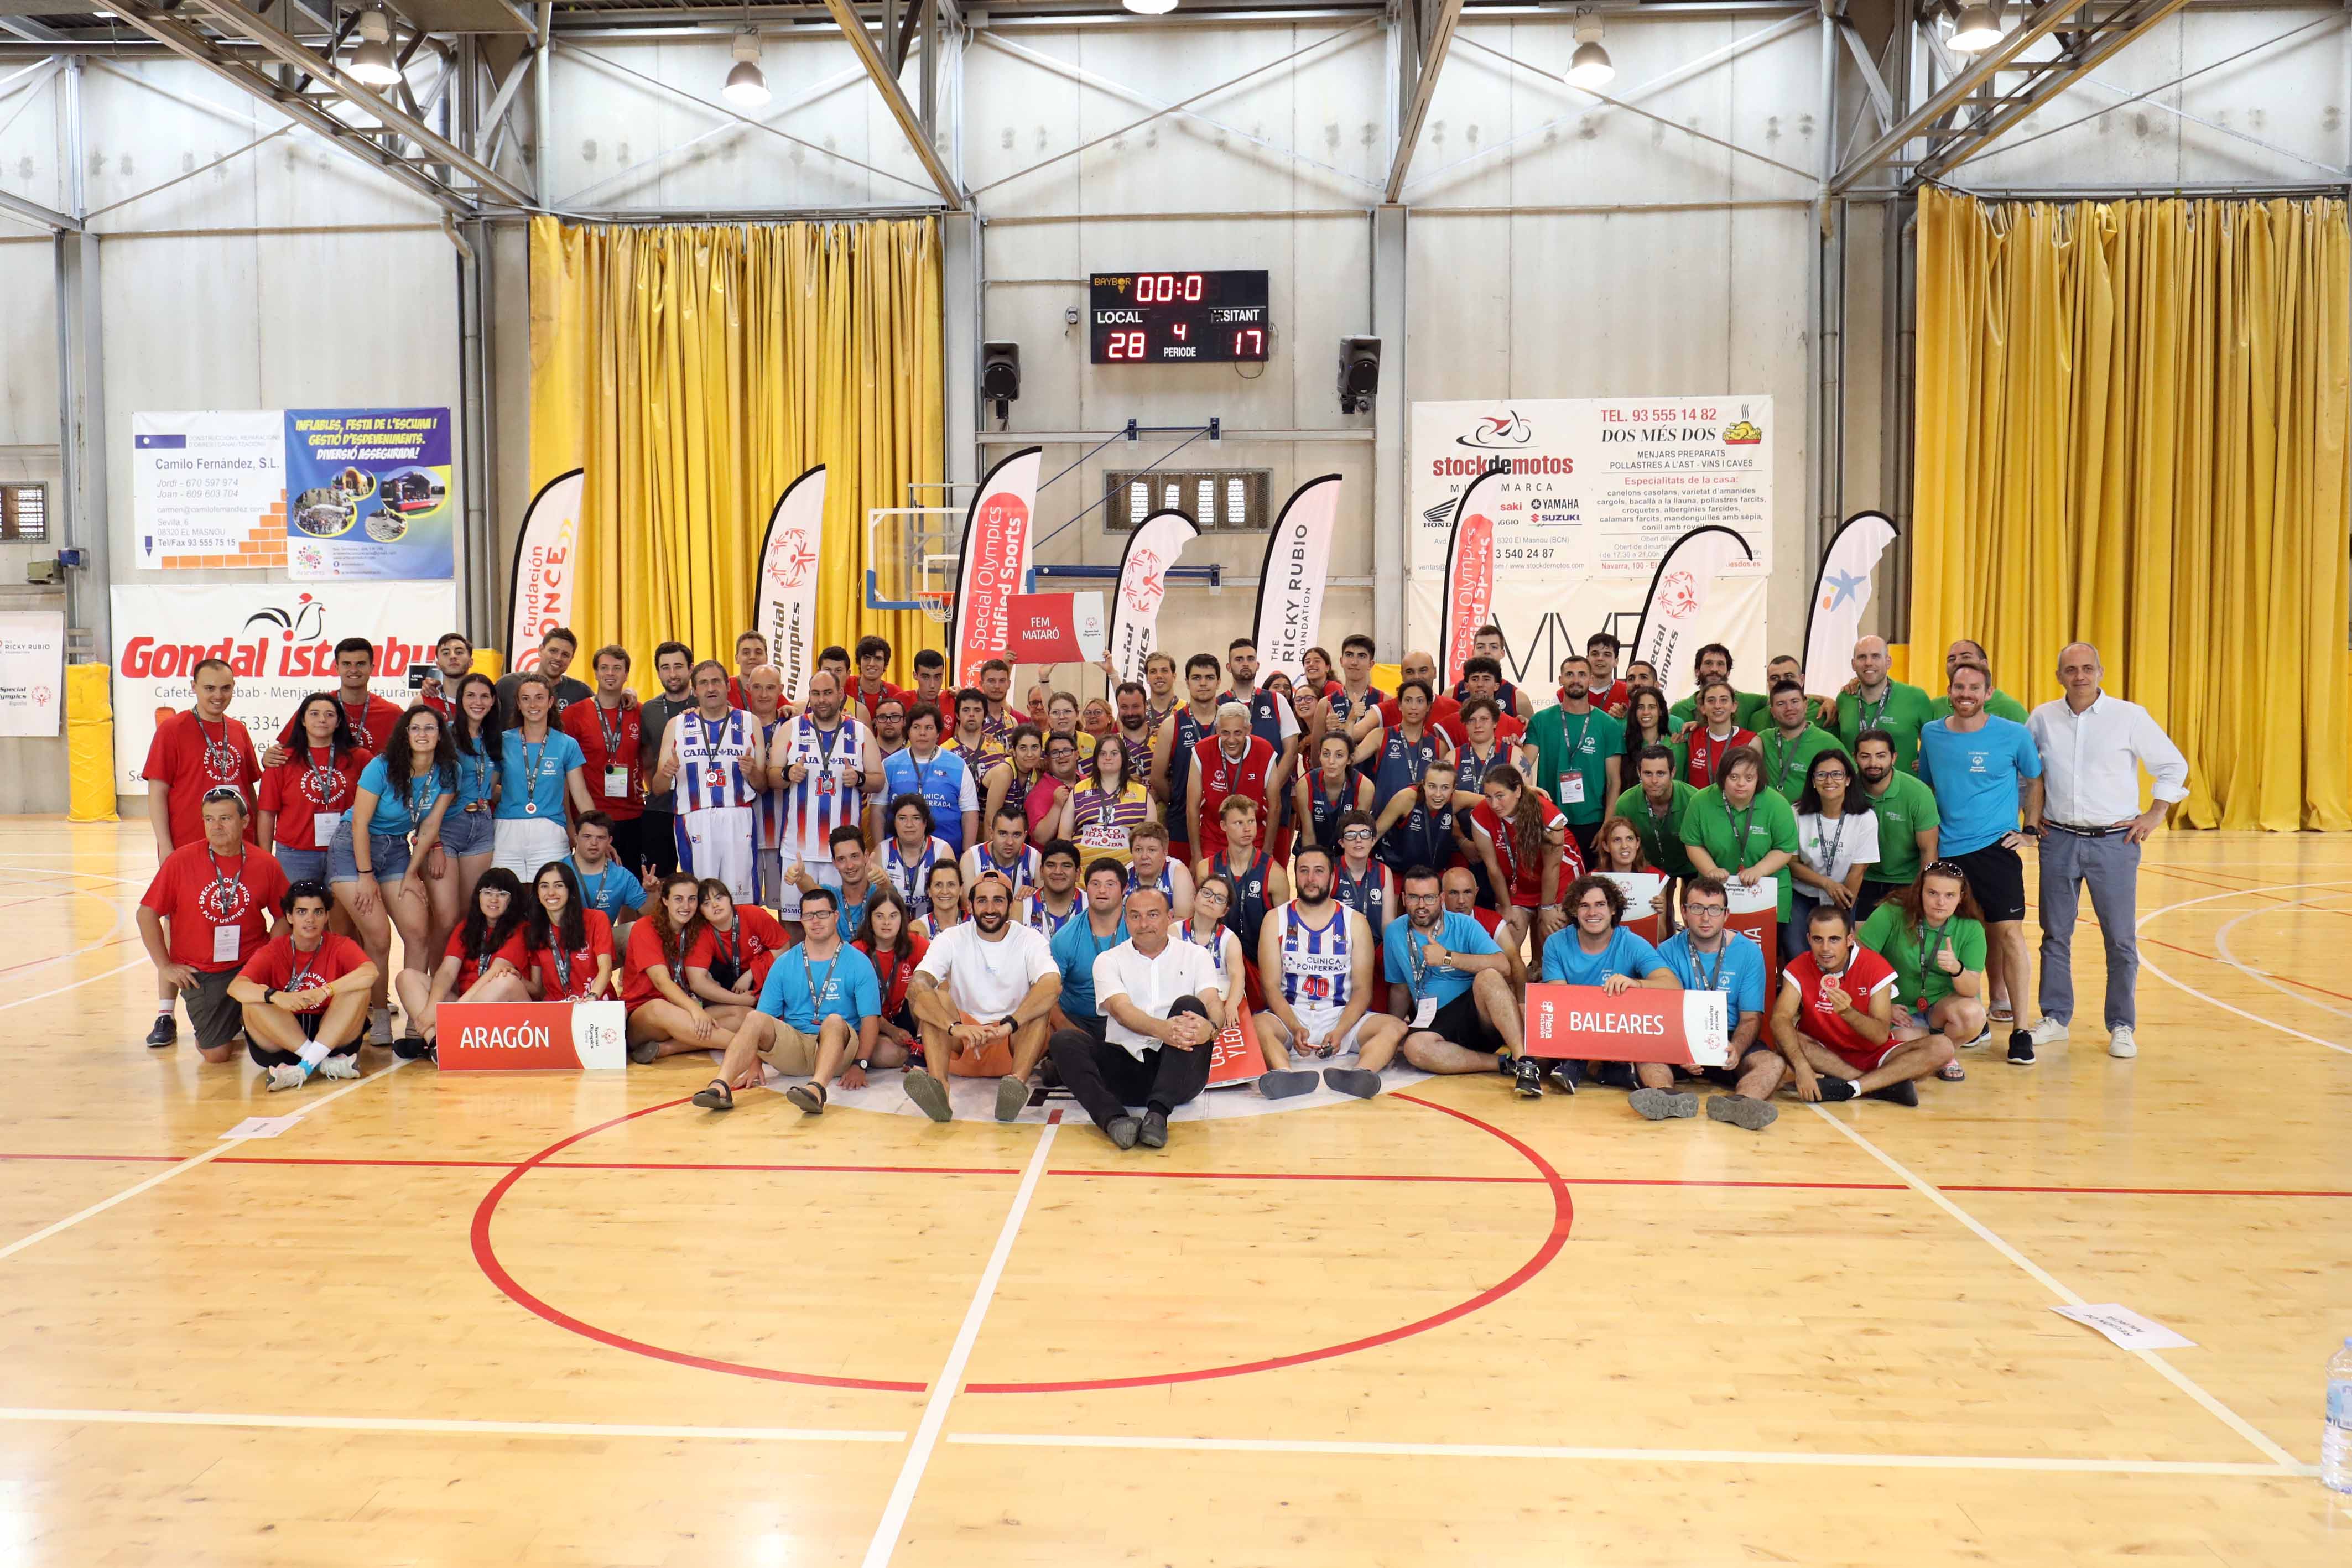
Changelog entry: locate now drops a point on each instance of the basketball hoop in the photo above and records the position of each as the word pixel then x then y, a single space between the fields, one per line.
pixel 937 603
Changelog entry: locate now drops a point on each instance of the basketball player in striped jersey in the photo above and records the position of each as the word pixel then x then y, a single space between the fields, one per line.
pixel 1006 851
pixel 821 764
pixel 763 699
pixel 712 756
pixel 1322 952
pixel 1056 902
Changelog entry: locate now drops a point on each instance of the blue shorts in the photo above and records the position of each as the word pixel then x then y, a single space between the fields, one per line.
pixel 465 834
pixel 303 865
pixel 387 854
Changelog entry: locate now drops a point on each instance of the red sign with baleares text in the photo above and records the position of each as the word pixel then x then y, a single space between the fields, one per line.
pixel 1585 1023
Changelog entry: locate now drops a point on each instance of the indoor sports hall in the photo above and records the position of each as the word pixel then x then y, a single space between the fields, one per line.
pixel 1259 782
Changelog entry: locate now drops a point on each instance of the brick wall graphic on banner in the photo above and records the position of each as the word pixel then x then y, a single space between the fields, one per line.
pixel 998 538
pixel 786 616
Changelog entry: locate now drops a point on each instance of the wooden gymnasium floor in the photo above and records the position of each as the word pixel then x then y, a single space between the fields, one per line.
pixel 574 1320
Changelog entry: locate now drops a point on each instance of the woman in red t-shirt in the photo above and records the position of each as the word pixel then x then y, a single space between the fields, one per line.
pixel 495 916
pixel 304 796
pixel 728 960
pixel 1523 839
pixel 890 942
pixel 665 1019
pixel 564 949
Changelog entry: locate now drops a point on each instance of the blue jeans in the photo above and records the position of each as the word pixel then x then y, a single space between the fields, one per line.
pixel 2110 863
pixel 465 834
pixel 301 865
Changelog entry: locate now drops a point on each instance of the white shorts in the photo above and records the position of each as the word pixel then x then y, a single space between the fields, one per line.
pixel 788 895
pixel 524 844
pixel 1319 1021
pixel 719 841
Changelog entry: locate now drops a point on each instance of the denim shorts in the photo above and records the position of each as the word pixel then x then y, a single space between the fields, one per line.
pixel 465 834
pixel 303 865
pixel 387 855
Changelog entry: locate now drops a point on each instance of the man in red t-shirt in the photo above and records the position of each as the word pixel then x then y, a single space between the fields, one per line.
pixel 611 733
pixel 1459 886
pixel 205 914
pixel 750 653
pixel 1232 761
pixel 305 995
pixel 871 684
pixel 192 752
pixel 452 657
pixel 1834 1021
pixel 372 719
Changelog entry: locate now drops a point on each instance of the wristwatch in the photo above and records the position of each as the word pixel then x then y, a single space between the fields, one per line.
pixel 1010 1022
pixel 863 1062
pixel 268 995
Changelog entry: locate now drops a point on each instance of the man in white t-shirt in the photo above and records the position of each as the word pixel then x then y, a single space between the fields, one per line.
pixel 1161 1006
pixel 982 995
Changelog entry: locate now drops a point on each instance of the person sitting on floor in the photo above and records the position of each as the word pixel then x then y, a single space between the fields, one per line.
pixel 1834 1021
pixel 497 914
pixel 1161 1009
pixel 984 993
pixel 305 995
pixel 820 1008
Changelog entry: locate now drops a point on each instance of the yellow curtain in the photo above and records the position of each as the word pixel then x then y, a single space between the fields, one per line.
pixel 2131 431
pixel 696 371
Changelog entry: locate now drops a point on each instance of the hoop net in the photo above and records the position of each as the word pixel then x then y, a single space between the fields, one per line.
pixel 938 604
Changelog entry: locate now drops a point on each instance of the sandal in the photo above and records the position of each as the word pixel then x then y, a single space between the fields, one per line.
pixel 718 1097
pixel 809 1097
pixel 1952 1072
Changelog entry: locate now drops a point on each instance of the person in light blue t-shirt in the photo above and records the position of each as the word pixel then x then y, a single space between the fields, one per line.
pixel 820 1012
pixel 1706 957
pixel 606 885
pixel 1595 949
pixel 1450 984
pixel 1099 928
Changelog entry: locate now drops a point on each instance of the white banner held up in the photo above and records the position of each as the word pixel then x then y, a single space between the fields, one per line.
pixel 32 670
pixel 543 593
pixel 1840 594
pixel 1290 583
pixel 1674 620
pixel 1151 549
pixel 786 616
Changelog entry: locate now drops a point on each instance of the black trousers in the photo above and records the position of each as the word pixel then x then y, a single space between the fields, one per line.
pixel 1107 1079
pixel 650 840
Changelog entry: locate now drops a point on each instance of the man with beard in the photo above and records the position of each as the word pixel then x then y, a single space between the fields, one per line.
pixel 890 726
pixel 657 828
pixel 1987 777
pixel 1006 851
pixel 983 995
pixel 452 657
pixel 1595 949
pixel 1573 753
pixel 1161 1006
pixel 996 684
pixel 1998 703
pixel 1271 718
pixel 1172 748
pixel 1872 701
pixel 713 754
pixel 823 762
pixel 1713 662
pixel 1909 826
pixel 1132 706
pixel 1791 742
pixel 1449 983
pixel 556 651
pixel 1705 956
pixel 1056 902
pixel 1316 956
pixel 1834 1020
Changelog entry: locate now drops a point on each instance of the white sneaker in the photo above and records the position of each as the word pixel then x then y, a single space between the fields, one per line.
pixel 341 1066
pixel 285 1075
pixel 2121 1042
pixel 2048 1031
pixel 380 1027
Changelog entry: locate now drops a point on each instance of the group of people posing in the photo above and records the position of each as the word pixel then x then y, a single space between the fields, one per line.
pixel 1109 896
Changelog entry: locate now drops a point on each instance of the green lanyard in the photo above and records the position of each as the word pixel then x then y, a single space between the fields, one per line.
pixel 1740 837
pixel 1780 760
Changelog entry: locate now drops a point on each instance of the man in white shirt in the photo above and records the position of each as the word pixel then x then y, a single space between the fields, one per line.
pixel 2092 747
pixel 983 994
pixel 1160 1008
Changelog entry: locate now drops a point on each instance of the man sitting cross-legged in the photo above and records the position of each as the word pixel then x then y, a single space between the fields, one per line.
pixel 1595 949
pixel 1160 1008
pixel 819 1006
pixel 1706 957
pixel 1834 1021
pixel 1450 983
pixel 1315 954
pixel 983 994
pixel 305 995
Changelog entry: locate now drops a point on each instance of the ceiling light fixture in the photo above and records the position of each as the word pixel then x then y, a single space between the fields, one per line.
pixel 372 62
pixel 1978 29
pixel 747 84
pixel 1150 7
pixel 1590 66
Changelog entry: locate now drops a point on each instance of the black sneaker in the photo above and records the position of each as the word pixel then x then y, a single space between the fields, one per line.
pixel 1835 1090
pixel 1566 1076
pixel 1526 1077
pixel 165 1032
pixel 1904 1093
pixel 409 1047
pixel 2021 1048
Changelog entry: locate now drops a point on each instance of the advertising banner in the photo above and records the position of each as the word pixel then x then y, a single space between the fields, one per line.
pixel 1585 1023
pixel 1234 1055
pixel 32 670
pixel 542 595
pixel 1591 493
pixel 997 543
pixel 786 614
pixel 1756 914
pixel 1052 628
pixel 209 489
pixel 1290 583
pixel 1469 578
pixel 1840 594
pixel 369 493
pixel 1675 619
pixel 1151 549
pixel 279 640
pixel 531 1037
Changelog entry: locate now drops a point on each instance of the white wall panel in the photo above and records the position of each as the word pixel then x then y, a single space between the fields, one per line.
pixel 28 347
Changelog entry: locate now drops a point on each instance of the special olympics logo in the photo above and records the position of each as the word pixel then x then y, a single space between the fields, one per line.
pixel 1147 583
pixel 790 562
pixel 41 695
pixel 224 903
pixel 222 763
pixel 1678 595
pixel 1498 430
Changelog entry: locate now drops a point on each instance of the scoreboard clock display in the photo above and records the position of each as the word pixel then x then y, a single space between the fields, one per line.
pixel 1162 317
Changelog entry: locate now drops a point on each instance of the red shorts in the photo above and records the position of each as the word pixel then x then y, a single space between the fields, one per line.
pixel 1865 1060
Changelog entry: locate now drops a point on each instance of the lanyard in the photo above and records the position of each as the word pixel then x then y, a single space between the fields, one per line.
pixel 1576 746
pixel 1740 835
pixel 1828 843
pixel 826 741
pixel 596 893
pixel 887 978
pixel 416 806
pixel 221 899
pixel 612 732
pixel 1416 947
pixel 563 964
pixel 808 977
pixel 1711 751
pixel 480 756
pixel 358 720
pixel 1777 755
pixel 1938 938
pixel 324 781
pixel 734 935
pixel 1871 715
pixel 220 757
pixel 530 761
pixel 298 975
pixel 1709 979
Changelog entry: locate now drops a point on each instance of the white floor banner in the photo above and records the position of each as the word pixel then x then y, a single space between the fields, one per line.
pixel 278 637
pixel 1590 493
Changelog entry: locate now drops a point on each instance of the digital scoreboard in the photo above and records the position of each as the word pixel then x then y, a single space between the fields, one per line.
pixel 1162 318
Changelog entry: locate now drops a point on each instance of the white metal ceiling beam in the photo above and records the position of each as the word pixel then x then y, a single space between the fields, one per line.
pixel 1432 55
pixel 853 28
pixel 1947 98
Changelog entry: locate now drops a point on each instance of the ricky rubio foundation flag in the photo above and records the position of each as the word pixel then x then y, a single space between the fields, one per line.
pixel 1673 615
pixel 542 594
pixel 1151 549
pixel 1290 585
pixel 1469 577
pixel 1841 594
pixel 998 539
pixel 786 616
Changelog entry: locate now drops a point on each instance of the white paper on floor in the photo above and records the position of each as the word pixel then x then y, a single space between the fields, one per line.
pixel 2126 1327
pixel 258 1127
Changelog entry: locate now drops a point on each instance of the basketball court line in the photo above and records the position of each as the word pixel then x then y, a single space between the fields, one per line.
pixel 450 1428
pixel 185 1165
pixel 893 1524
pixel 2278 983
pixel 2050 1282
pixel 2168 977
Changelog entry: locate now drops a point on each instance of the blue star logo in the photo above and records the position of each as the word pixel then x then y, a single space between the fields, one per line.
pixel 1845 584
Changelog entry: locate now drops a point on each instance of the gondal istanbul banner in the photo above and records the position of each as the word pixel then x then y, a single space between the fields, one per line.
pixel 998 540
pixel 542 594
pixel 1290 583
pixel 1588 494
pixel 1151 549
pixel 322 493
pixel 278 638
pixel 786 614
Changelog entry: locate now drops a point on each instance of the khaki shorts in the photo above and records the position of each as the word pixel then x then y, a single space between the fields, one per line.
pixel 789 1052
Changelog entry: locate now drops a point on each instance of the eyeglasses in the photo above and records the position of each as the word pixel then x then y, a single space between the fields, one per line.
pixel 1356 833
pixel 224 792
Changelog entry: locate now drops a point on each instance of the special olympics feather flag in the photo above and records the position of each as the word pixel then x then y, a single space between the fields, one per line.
pixel 1290 585
pixel 997 542
pixel 786 614
pixel 1671 616
pixel 1840 594
pixel 1469 578
pixel 543 593
pixel 1151 549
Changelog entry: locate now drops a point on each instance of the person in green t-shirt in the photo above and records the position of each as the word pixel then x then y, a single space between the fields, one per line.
pixel 1713 662
pixel 1933 935
pixel 1873 702
pixel 1791 741
pixel 1573 752
pixel 1909 823
pixel 1656 806
pixel 1822 711
pixel 1739 828
pixel 2001 705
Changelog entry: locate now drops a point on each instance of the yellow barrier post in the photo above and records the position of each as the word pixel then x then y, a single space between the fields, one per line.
pixel 89 743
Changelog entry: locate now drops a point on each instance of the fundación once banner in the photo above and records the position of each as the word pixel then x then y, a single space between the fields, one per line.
pixel 1588 494
pixel 278 638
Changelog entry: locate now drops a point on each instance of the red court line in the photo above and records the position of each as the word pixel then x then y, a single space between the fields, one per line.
pixel 1474 1180
pixel 2216 959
